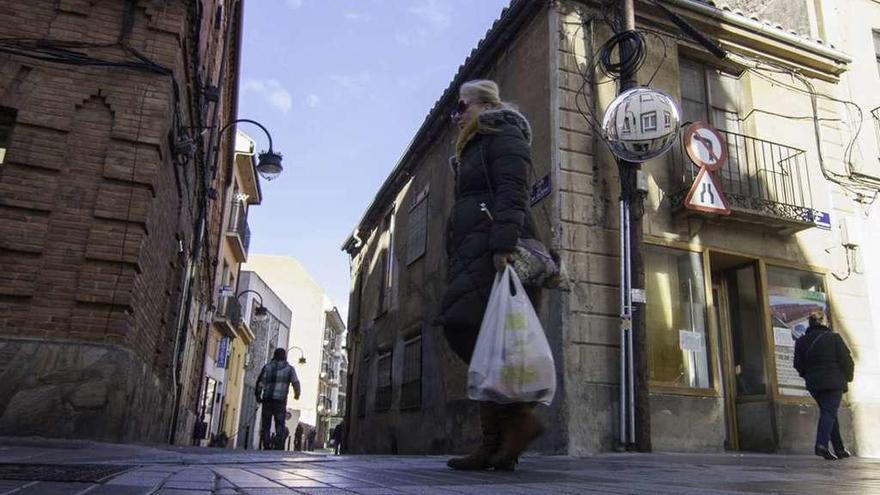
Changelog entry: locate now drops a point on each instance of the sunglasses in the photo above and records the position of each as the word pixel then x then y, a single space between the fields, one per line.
pixel 460 108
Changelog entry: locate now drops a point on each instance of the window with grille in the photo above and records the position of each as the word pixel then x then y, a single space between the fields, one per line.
pixel 383 382
pixel 411 387
pixel 417 228
pixel 387 264
pixel 7 122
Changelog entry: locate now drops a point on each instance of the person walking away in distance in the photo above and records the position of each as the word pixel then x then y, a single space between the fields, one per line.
pixel 823 360
pixel 272 388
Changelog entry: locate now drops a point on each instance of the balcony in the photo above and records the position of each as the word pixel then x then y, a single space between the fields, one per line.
pixel 228 315
pixel 767 184
pixel 238 233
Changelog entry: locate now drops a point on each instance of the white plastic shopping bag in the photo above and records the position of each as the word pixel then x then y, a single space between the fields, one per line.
pixel 512 361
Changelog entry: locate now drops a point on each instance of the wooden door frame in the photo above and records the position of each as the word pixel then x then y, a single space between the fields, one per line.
pixel 725 352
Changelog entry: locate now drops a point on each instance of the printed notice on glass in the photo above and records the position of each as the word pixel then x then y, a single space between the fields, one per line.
pixel 690 341
pixel 790 383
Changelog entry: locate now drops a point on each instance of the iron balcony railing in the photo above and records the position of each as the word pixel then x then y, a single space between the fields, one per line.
pixel 238 225
pixel 760 178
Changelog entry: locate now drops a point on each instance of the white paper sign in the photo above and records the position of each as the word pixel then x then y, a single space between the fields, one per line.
pixel 690 341
pixel 782 337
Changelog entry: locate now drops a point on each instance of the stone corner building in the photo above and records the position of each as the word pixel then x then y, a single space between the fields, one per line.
pixel 103 183
pixel 723 293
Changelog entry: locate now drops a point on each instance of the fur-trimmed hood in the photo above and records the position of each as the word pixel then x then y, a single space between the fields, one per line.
pixel 495 118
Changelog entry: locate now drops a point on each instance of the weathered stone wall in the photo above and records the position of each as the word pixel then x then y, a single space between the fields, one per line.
pixel 92 210
pixel 589 243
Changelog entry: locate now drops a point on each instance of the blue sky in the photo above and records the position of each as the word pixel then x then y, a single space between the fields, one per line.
pixel 342 85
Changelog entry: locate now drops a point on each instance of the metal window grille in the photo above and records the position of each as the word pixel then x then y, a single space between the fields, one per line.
pixel 383 382
pixel 411 388
pixel 417 228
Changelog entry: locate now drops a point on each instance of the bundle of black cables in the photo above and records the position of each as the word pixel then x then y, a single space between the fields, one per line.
pixel 628 60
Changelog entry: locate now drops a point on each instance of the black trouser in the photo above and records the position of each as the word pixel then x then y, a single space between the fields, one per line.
pixel 273 409
pixel 829 427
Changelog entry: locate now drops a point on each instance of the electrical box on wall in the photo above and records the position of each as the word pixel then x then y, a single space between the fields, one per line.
pixel 641 182
pixel 850 233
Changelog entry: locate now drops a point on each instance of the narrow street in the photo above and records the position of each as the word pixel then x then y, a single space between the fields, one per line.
pixel 57 467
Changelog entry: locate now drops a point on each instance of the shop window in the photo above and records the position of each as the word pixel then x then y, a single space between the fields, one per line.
pixel 411 388
pixel 7 122
pixel 383 381
pixel 676 318
pixel 794 295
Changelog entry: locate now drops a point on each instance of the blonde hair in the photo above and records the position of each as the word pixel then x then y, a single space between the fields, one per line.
pixel 481 91
pixel 478 91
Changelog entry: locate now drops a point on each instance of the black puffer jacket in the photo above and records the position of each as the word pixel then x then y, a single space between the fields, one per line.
pixel 471 237
pixel 823 360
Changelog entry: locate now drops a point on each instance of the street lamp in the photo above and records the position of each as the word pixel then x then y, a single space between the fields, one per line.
pixel 302 357
pixel 261 313
pixel 269 162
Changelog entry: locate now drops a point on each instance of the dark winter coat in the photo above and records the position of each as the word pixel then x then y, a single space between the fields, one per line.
pixel 471 237
pixel 823 360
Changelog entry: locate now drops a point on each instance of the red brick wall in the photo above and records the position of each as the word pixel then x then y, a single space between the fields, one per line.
pixel 93 205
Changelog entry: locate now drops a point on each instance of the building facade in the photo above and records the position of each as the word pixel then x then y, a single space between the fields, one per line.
pixel 331 379
pixel 228 333
pixel 724 296
pixel 104 188
pixel 269 334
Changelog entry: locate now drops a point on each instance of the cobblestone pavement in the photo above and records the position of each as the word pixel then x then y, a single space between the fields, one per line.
pixel 163 470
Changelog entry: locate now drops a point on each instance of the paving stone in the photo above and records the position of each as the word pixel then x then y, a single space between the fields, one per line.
pixel 121 490
pixel 270 491
pixel 54 488
pixel 175 491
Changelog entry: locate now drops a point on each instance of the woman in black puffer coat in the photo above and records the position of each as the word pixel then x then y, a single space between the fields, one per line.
pixel 490 215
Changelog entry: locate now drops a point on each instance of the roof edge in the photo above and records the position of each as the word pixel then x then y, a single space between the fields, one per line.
pixel 513 16
pixel 767 30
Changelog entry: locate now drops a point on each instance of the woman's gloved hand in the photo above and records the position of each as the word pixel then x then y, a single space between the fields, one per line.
pixel 500 260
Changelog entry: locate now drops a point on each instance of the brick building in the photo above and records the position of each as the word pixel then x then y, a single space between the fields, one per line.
pixel 106 177
pixel 715 288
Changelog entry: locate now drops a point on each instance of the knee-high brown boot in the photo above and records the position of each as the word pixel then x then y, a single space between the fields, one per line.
pixel 491 440
pixel 519 428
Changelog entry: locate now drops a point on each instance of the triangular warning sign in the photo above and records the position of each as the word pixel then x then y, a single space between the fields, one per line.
pixel 706 196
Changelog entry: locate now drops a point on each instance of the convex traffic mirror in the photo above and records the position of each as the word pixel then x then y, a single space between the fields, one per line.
pixel 641 124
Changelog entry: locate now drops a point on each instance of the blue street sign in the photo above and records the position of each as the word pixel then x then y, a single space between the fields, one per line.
pixel 821 219
pixel 540 190
pixel 222 349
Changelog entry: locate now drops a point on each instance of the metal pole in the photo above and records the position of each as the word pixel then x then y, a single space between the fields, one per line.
pixel 624 317
pixel 629 310
pixel 631 251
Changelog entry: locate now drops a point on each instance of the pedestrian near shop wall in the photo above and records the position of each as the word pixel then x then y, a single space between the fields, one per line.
pixel 492 163
pixel 822 358
pixel 272 389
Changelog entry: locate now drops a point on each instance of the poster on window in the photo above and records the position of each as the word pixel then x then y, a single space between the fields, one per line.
pixel 789 310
